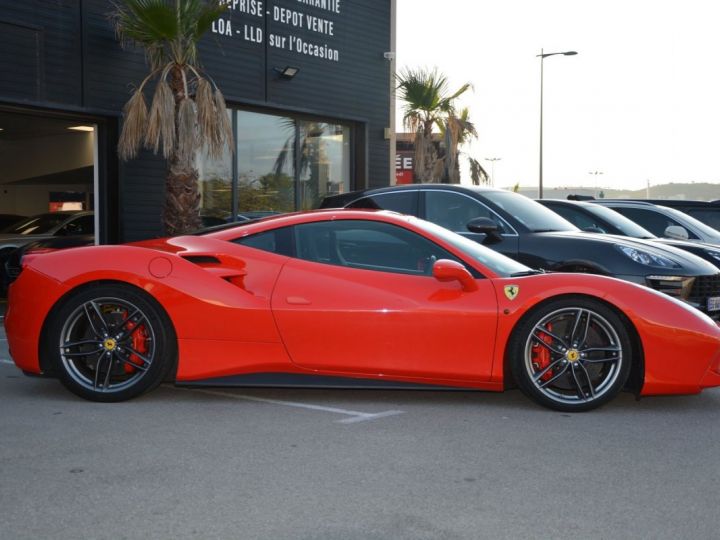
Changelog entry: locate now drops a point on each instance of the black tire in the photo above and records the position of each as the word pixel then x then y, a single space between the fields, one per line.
pixel 110 342
pixel 572 354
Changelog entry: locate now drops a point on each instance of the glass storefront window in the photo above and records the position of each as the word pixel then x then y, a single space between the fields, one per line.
pixel 215 178
pixel 280 164
pixel 325 162
pixel 265 157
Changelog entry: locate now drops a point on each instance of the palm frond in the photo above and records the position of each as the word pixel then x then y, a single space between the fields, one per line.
pixel 161 124
pixel 165 28
pixel 287 151
pixel 207 125
pixel 134 124
pixel 206 16
pixel 147 23
pixel 223 119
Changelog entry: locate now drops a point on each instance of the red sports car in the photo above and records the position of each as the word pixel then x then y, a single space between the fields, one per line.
pixel 347 297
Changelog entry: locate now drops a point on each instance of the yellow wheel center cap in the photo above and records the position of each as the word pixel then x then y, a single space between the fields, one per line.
pixel 572 355
pixel 110 344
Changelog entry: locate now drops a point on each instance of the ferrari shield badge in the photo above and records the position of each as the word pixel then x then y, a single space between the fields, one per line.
pixel 511 291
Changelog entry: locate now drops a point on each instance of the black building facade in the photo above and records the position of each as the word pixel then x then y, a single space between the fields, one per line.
pixel 64 79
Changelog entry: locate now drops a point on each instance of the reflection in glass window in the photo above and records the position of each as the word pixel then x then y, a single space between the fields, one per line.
pixel 275 241
pixel 265 154
pixel 453 211
pixel 324 163
pixel 404 202
pixel 281 164
pixel 215 180
pixel 368 245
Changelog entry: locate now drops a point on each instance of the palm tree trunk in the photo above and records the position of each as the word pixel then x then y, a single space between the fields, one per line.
pixel 425 155
pixel 181 211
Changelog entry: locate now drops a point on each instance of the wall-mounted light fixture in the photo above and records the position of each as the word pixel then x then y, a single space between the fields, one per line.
pixel 82 128
pixel 288 72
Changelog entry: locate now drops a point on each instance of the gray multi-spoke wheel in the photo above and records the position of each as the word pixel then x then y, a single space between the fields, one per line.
pixel 571 354
pixel 110 342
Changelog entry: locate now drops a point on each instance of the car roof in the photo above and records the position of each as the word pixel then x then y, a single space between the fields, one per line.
pixel 565 201
pixel 673 202
pixel 344 199
pixel 231 230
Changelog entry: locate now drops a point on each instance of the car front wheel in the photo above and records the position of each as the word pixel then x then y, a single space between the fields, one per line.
pixel 571 354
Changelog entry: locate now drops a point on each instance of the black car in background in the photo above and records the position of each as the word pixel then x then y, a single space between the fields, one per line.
pixel 10 268
pixel 534 235
pixel 595 218
pixel 62 224
pixel 9 219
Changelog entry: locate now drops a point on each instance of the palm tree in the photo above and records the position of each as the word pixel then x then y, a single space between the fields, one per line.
pixel 478 175
pixel 458 130
pixel 427 105
pixel 188 111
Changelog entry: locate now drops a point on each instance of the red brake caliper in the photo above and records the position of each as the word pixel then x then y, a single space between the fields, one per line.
pixel 541 355
pixel 139 343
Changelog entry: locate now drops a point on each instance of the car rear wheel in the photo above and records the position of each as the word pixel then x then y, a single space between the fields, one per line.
pixel 111 342
pixel 571 354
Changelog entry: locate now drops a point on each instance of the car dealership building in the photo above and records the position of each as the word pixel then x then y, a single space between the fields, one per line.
pixel 308 84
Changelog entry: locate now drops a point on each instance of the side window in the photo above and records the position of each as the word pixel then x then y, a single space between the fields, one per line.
pixel 404 202
pixel 368 245
pixel 655 222
pixel 578 218
pixel 276 241
pixel 709 217
pixel 81 225
pixel 453 211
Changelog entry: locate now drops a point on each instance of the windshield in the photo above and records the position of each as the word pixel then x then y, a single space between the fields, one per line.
pixel 699 225
pixel 533 215
pixel 497 262
pixel 42 224
pixel 627 227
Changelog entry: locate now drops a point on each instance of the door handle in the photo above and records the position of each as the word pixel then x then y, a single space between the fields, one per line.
pixel 297 301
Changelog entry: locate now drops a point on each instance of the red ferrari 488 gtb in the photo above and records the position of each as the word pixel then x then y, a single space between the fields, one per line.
pixel 347 298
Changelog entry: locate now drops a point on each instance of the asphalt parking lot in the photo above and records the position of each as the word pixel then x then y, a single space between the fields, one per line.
pixel 310 464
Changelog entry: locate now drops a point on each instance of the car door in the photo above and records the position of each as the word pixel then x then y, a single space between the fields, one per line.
pixel 453 211
pixel 359 298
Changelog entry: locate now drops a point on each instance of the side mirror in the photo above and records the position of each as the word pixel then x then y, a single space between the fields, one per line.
pixel 445 270
pixel 676 232
pixel 487 226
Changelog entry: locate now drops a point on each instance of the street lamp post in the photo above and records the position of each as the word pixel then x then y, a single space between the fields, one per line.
pixel 492 161
pixel 595 175
pixel 543 55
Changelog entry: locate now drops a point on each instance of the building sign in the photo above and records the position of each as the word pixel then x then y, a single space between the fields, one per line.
pixel 404 167
pixel 302 27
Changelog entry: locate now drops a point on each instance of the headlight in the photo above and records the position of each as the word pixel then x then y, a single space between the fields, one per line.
pixel 714 254
pixel 648 259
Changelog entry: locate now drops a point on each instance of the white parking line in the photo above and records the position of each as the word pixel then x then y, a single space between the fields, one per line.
pixel 355 416
pixel 4 360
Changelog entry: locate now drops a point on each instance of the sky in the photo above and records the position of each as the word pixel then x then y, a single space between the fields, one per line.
pixel 639 103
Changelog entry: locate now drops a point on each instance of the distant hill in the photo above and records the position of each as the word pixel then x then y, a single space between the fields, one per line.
pixel 688 191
